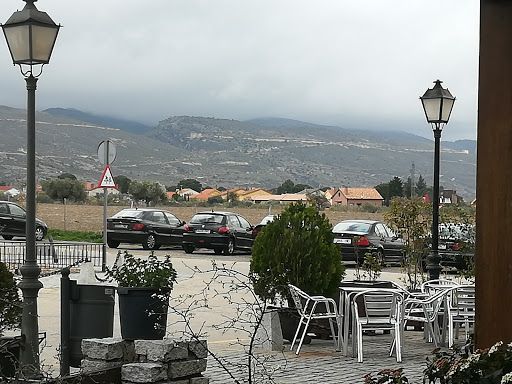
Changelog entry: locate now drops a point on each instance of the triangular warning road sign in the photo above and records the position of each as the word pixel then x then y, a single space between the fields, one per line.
pixel 107 180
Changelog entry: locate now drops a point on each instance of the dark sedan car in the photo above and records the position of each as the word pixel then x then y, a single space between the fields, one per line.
pixel 358 237
pixel 262 224
pixel 150 227
pixel 224 232
pixel 456 245
pixel 13 220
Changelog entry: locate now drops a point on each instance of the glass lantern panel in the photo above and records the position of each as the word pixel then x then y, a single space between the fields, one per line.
pixel 432 107
pixel 43 39
pixel 18 40
pixel 447 109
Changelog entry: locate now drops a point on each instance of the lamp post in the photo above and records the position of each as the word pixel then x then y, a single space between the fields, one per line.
pixel 31 36
pixel 437 104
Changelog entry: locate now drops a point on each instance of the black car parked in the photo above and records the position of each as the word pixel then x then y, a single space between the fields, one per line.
pixel 224 232
pixel 357 237
pixel 150 227
pixel 456 245
pixel 13 220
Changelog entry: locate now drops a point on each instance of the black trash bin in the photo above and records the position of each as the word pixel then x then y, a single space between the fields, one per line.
pixel 91 316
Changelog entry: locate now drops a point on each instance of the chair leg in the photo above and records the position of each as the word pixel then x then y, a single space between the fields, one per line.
pixel 301 321
pixel 431 332
pixel 450 333
pixel 302 337
pixel 359 341
pixel 334 337
pixel 398 341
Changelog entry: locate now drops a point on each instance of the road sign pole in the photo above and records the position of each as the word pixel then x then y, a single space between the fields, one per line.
pixel 105 203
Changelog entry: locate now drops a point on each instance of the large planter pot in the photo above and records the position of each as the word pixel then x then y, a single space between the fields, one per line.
pixel 289 320
pixel 143 312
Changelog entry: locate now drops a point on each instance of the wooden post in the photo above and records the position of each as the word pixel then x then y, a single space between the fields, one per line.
pixel 494 175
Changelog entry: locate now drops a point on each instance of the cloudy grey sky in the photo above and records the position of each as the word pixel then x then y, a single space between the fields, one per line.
pixel 357 64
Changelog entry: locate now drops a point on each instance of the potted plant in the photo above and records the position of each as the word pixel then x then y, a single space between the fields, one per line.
pixel 144 288
pixel 296 248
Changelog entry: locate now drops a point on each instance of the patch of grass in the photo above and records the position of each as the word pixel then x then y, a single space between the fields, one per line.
pixel 89 237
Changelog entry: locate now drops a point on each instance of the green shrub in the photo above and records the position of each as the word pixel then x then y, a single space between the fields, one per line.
pixel 87 237
pixel 215 200
pixel 138 272
pixel 371 208
pixel 297 248
pixel 10 302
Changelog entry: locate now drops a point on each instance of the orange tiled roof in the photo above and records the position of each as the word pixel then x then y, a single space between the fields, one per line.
pixel 205 194
pixel 361 193
pixel 254 191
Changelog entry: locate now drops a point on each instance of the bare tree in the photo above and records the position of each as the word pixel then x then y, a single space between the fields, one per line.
pixel 235 289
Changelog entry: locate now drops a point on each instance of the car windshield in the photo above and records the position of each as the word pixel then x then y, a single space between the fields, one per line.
pixel 350 226
pixel 203 218
pixel 456 231
pixel 266 220
pixel 133 213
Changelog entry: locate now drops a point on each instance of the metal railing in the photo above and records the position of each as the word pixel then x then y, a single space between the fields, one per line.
pixel 53 256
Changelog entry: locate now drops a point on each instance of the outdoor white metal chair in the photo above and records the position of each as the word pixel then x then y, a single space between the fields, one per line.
pixel 379 309
pixel 312 308
pixel 460 310
pixel 426 310
pixel 431 286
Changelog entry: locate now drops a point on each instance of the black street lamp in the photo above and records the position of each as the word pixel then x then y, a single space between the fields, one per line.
pixel 30 36
pixel 437 104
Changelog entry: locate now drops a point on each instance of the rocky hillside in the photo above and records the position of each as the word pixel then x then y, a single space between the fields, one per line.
pixel 228 153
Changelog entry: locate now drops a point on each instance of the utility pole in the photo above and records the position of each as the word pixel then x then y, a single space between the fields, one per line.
pixel 413 186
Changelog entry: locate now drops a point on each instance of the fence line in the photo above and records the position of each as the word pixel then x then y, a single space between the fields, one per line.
pixel 53 256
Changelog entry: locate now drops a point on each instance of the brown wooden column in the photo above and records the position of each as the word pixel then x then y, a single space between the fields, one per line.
pixel 494 176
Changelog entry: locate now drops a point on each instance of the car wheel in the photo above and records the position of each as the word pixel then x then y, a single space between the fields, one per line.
pixel 229 249
pixel 150 242
pixel 218 250
pixel 379 255
pixel 113 243
pixel 188 248
pixel 7 237
pixel 39 233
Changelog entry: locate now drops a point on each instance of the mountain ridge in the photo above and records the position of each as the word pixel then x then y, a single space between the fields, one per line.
pixel 229 153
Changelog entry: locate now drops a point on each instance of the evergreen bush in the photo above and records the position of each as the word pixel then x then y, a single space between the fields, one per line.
pixel 297 248
pixel 10 302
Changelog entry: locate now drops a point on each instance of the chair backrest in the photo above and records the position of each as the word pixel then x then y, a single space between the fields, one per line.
pixel 379 305
pixel 300 298
pixel 432 286
pixel 462 300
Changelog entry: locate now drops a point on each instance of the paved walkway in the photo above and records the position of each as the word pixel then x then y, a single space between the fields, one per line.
pixel 318 362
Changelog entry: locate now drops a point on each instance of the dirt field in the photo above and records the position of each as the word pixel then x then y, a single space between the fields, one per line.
pixel 90 217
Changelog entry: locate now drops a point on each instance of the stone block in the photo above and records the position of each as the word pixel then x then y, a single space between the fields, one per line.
pixel 161 350
pixel 199 380
pixel 88 365
pixel 269 335
pixel 144 372
pixel 198 349
pixel 103 349
pixel 185 368
pixel 129 351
